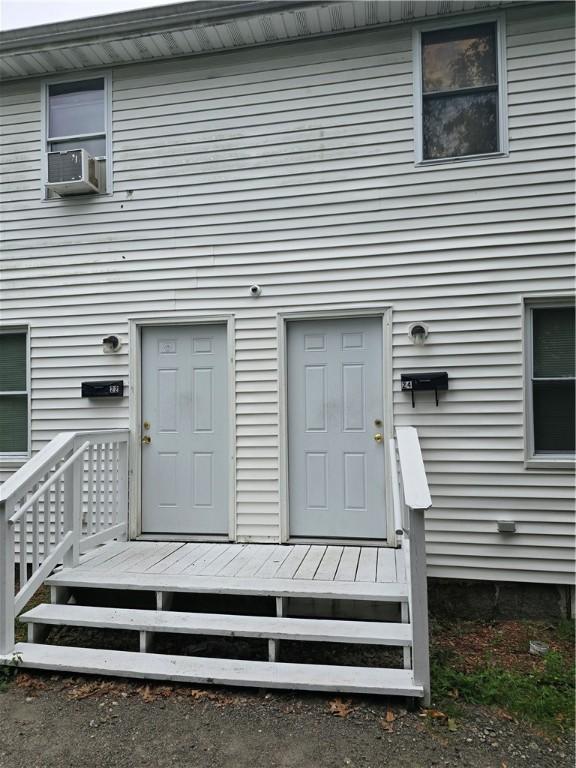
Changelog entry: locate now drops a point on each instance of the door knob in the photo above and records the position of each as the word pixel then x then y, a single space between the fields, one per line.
pixel 378 437
pixel 146 439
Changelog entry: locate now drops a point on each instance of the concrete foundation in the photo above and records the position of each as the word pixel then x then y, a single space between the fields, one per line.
pixel 499 600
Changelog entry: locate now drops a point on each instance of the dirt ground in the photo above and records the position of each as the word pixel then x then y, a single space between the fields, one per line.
pixel 51 721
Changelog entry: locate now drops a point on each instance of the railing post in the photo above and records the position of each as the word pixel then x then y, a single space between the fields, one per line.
pixel 419 602
pixel 123 487
pixel 73 512
pixel 7 584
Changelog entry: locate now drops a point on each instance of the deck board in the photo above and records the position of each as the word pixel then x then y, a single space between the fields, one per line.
pixel 386 569
pixel 310 563
pixel 231 585
pixel 292 562
pixel 226 555
pixel 172 559
pixel 155 558
pixel 329 565
pixel 366 570
pixel 190 669
pixel 348 564
pixel 277 558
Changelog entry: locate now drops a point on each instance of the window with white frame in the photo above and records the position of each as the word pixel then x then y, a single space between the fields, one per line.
pixel 76 117
pixel 13 393
pixel 459 92
pixel 551 386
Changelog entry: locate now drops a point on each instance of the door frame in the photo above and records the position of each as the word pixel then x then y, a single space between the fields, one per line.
pixel 135 419
pixel 385 315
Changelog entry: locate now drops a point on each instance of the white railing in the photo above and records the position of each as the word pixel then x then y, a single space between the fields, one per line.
pixel 71 496
pixel 409 524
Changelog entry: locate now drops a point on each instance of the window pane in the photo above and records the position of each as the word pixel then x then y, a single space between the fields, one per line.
pixel 76 108
pixel 13 423
pixel 456 126
pixel 12 362
pixel 554 416
pixel 96 147
pixel 553 331
pixel 459 58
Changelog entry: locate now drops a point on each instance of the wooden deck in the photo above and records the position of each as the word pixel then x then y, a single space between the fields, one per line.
pixel 362 573
pixel 333 579
pixel 257 570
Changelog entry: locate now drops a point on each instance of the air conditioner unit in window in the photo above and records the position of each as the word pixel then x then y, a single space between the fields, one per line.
pixel 72 172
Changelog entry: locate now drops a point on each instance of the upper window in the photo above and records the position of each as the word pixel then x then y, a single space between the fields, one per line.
pixel 459 93
pixel 13 393
pixel 76 117
pixel 552 380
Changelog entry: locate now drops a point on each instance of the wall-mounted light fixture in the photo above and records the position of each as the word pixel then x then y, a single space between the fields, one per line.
pixel 418 333
pixel 111 344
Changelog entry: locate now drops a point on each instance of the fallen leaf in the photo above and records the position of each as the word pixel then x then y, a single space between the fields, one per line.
pixel 504 715
pixel 29 682
pixel 452 724
pixel 340 708
pixel 435 713
pixel 146 693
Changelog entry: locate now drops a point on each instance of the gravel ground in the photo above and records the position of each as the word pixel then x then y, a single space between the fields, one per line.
pixel 49 721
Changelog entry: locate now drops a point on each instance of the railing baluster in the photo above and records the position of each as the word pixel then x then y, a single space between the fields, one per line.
pixel 115 490
pixel 71 556
pixel 35 533
pixel 90 516
pixel 23 534
pixel 57 509
pixel 107 478
pixel 99 478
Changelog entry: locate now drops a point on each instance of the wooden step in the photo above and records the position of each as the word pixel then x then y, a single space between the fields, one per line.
pixel 228 625
pixel 221 585
pixel 261 674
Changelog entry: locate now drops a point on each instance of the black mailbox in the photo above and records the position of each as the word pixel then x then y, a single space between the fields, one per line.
pixel 431 381
pixel 102 389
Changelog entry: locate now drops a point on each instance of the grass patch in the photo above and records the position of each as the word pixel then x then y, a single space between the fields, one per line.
pixel 490 665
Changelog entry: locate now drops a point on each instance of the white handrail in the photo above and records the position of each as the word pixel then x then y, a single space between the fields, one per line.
pixel 76 473
pixel 36 466
pixel 48 484
pixel 41 462
pixel 417 499
pixel 415 484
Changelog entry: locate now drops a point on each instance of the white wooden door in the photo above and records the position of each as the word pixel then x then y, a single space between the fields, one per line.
pixel 335 420
pixel 185 464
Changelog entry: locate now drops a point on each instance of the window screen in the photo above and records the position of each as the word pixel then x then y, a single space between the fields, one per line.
pixel 553 379
pixel 77 116
pixel 13 393
pixel 460 92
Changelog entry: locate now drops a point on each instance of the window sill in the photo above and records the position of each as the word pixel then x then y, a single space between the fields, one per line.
pixel 469 160
pixel 13 461
pixel 550 463
pixel 89 195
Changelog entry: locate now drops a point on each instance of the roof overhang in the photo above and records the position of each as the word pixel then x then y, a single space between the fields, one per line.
pixel 199 27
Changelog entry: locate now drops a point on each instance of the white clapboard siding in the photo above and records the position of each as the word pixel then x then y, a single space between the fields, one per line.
pixel 292 166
